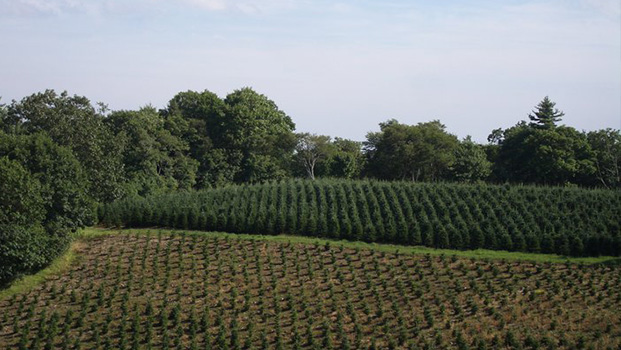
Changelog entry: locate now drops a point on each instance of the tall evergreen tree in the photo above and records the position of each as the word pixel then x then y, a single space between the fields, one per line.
pixel 545 116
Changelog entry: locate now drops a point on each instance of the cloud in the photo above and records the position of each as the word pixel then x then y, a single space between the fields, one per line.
pixel 249 7
pixel 27 8
pixel 608 7
pixel 211 5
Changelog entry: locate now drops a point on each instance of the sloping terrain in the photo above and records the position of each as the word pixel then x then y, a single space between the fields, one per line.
pixel 200 291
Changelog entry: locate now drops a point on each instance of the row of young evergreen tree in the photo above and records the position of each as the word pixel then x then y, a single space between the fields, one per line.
pixel 566 221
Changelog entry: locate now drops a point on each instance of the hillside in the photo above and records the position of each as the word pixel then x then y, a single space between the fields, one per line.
pixel 171 290
pixel 565 221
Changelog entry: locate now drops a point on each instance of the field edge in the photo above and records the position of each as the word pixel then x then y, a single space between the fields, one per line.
pixel 55 268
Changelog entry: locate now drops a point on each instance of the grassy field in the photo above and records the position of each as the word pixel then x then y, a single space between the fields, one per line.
pixel 167 290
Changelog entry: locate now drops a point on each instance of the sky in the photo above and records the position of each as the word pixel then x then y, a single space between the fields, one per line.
pixel 337 68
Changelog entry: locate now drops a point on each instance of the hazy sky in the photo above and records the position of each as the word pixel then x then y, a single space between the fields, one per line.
pixel 336 67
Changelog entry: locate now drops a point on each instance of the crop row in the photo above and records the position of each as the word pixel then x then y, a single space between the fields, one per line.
pixel 565 221
pixel 199 292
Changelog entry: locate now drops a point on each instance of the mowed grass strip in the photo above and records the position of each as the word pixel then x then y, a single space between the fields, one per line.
pixel 58 266
pixel 168 290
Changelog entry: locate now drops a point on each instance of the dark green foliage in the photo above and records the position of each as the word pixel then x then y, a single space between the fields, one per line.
pixel 73 122
pixel 22 238
pixel 471 163
pixel 422 152
pixel 547 156
pixel 606 147
pixel 63 184
pixel 259 132
pixel 545 116
pixel 42 198
pixel 155 160
pixel 457 216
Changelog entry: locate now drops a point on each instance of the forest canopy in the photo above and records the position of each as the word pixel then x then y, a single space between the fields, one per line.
pixel 200 140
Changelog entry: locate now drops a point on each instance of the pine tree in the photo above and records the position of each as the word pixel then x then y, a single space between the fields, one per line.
pixel 343 216
pixel 545 116
pixel 561 244
pixel 163 216
pixel 302 209
pixel 52 331
pixel 332 213
pixel 441 239
pixel 235 344
pixel 547 243
pixel 291 207
pixel 323 210
pixel 202 221
pixel 193 220
pixel 577 247
pixel 519 242
pixel 327 341
pixel 455 237
pixel 221 338
pixel 504 240
pixel 260 220
pixel 532 242
pixel 377 221
pixel 280 224
pixel 352 212
pixel 461 342
pixel 312 227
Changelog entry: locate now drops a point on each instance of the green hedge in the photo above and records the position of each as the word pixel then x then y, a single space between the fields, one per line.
pixel 566 221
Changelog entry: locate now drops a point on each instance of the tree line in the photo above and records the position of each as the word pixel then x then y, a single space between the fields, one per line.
pixel 62 155
pixel 203 141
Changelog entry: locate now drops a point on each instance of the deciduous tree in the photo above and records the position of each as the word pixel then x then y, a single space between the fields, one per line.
pixel 606 147
pixel 422 152
pixel 310 149
pixel 471 162
pixel 155 160
pixel 73 122
pixel 261 132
